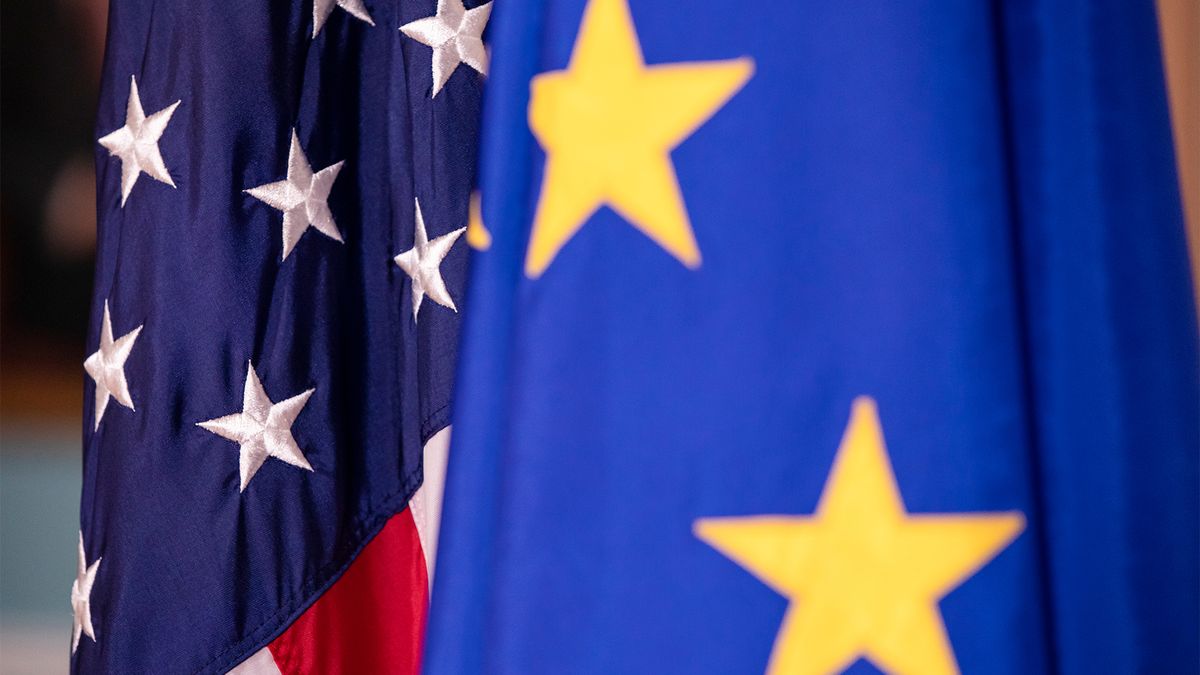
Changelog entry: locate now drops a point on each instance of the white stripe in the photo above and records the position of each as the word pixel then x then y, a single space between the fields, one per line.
pixel 260 663
pixel 426 504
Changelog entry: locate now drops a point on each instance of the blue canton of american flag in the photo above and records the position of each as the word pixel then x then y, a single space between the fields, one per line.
pixel 283 194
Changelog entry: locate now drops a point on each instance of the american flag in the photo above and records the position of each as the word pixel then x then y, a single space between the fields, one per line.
pixel 283 190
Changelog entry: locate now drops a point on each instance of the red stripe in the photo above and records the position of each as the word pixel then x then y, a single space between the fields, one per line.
pixel 372 620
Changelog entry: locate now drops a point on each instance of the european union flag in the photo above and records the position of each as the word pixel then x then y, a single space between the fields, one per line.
pixel 811 337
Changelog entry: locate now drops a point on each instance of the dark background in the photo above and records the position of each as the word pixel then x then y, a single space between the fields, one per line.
pixel 50 53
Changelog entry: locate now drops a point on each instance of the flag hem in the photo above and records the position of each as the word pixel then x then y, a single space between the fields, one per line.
pixel 273 627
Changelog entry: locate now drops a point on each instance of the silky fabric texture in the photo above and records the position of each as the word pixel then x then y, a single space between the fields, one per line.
pixel 195 576
pixel 342 631
pixel 1109 332
pixel 965 212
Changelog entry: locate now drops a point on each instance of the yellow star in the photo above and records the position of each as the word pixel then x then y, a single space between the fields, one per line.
pixel 477 234
pixel 862 575
pixel 608 124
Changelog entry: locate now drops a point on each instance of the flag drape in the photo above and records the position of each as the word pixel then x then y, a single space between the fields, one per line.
pixel 282 191
pixel 798 320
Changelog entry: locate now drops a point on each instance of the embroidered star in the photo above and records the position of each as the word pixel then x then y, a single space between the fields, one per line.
pixel 107 366
pixel 323 8
pixel 455 33
pixel 303 198
pixel 608 124
pixel 136 143
pixel 864 576
pixel 262 429
pixel 81 597
pixel 423 263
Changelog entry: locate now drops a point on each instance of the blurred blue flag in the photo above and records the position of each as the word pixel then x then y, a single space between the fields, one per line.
pixel 815 337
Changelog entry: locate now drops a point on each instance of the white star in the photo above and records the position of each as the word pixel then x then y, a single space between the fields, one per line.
pixel 423 262
pixel 455 33
pixel 81 597
pixel 107 366
pixel 323 8
pixel 302 197
pixel 263 429
pixel 136 143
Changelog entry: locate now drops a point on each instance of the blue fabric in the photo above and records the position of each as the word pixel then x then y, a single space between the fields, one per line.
pixel 967 212
pixel 196 576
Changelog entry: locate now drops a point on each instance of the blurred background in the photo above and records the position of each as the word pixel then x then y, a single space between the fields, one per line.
pixel 50 55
